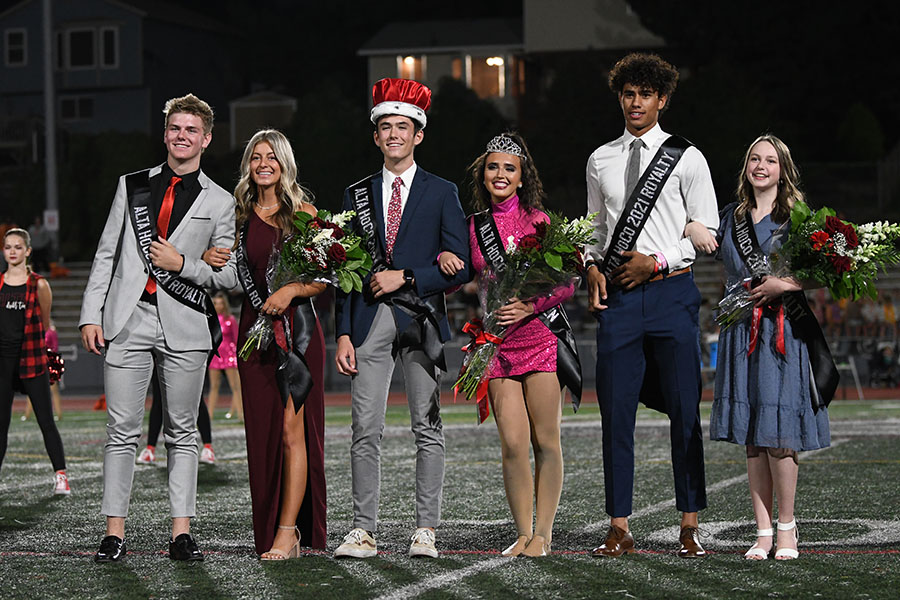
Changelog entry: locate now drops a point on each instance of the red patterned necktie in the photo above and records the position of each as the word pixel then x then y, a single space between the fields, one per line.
pixel 162 223
pixel 393 218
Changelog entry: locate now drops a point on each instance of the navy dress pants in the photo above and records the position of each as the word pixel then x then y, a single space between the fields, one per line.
pixel 651 330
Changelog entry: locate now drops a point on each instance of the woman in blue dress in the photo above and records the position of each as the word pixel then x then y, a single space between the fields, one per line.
pixel 762 397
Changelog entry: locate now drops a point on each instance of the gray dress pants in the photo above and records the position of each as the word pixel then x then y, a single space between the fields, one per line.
pixel 369 390
pixel 129 365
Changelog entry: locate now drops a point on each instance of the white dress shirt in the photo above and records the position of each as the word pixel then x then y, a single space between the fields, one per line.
pixel 387 182
pixel 688 195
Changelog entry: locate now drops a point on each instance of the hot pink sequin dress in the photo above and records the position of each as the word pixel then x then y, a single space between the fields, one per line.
pixel 227 358
pixel 528 345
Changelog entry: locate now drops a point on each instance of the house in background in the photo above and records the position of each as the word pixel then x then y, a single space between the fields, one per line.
pixel 499 58
pixel 115 64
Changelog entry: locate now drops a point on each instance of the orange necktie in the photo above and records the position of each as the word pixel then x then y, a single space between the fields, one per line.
pixel 162 224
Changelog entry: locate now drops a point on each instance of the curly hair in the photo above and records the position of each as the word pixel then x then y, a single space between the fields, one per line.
pixel 191 105
pixel 788 182
pixel 290 194
pixel 647 71
pixel 531 194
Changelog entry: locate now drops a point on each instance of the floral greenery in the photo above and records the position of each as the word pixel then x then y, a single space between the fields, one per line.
pixel 538 266
pixel 841 256
pixel 322 250
pixel 836 254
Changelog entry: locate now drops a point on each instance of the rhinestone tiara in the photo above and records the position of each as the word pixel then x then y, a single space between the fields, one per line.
pixel 503 144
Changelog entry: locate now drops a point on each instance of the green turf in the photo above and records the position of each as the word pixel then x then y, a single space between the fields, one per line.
pixel 847 509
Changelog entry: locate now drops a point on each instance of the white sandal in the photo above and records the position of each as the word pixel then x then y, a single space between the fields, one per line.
pixel 788 553
pixel 755 552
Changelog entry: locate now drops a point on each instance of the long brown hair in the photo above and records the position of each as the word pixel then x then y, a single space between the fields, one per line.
pixel 788 182
pixel 531 194
pixel 291 195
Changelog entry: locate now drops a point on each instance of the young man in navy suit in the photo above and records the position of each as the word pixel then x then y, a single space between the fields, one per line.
pixel 409 216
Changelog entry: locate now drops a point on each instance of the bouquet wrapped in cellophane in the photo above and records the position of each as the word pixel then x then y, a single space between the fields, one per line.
pixel 321 250
pixel 839 255
pixel 538 266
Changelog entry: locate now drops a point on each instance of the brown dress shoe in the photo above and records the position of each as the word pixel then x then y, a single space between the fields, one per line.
pixel 690 543
pixel 618 542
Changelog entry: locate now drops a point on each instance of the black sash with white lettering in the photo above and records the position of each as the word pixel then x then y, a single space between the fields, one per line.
pixel 137 188
pixel 568 364
pixel 640 204
pixel 292 374
pixel 424 331
pixel 825 376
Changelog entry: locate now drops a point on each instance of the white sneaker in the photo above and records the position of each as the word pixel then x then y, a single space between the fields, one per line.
pixel 147 456
pixel 357 544
pixel 207 456
pixel 61 487
pixel 423 543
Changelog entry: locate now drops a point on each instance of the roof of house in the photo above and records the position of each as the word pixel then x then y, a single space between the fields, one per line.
pixel 444 36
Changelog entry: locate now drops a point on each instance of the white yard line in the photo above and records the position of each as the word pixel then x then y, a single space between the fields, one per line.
pixel 414 589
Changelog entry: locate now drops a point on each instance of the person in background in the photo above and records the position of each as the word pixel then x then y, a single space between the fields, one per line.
pixel 25 301
pixel 225 362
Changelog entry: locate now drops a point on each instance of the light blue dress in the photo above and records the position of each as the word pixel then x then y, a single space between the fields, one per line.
pixel 762 399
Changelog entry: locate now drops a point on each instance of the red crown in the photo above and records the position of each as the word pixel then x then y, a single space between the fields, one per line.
pixel 400 97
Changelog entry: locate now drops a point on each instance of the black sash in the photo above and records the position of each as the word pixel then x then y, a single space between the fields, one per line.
pixel 292 374
pixel 825 376
pixel 640 204
pixel 568 363
pixel 424 331
pixel 137 187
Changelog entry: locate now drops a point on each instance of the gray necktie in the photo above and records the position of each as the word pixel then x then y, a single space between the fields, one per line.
pixel 633 171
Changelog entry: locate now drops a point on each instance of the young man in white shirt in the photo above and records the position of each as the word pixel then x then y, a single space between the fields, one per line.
pixel 646 186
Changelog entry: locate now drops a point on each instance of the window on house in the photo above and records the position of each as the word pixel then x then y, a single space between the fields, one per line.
pixel 487 77
pixel 80 49
pixel 87 48
pixel 109 48
pixel 76 108
pixel 411 67
pixel 15 47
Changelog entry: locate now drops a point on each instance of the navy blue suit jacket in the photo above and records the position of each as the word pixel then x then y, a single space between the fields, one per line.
pixel 433 221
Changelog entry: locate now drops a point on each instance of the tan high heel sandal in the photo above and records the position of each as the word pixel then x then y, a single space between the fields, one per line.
pixel 511 550
pixel 294 552
pixel 545 547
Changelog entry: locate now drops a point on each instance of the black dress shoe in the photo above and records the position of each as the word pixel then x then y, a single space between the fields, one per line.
pixel 184 547
pixel 112 549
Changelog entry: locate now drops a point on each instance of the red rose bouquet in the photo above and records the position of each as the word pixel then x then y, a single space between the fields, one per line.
pixel 320 251
pixel 841 256
pixel 538 266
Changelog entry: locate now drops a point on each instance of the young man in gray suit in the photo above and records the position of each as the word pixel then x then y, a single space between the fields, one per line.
pixel 408 216
pixel 145 304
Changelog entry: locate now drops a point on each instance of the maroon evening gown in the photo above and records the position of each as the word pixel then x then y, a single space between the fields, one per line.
pixel 264 416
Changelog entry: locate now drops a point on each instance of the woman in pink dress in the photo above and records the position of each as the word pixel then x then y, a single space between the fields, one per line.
pixel 226 361
pixel 523 388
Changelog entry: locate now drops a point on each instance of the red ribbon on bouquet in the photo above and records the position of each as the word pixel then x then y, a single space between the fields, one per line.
pixel 475 328
pixel 779 328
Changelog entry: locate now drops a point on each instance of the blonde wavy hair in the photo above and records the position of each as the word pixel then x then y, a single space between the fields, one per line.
pixel 788 182
pixel 291 195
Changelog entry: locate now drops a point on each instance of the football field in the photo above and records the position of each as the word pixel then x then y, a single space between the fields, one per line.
pixel 848 510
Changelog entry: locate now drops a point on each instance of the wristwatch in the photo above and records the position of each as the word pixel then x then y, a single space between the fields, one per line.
pixel 409 278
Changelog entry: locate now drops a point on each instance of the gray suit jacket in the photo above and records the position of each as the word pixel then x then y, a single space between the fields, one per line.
pixel 110 298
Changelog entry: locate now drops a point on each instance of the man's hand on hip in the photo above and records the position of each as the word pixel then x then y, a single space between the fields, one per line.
pixel 635 271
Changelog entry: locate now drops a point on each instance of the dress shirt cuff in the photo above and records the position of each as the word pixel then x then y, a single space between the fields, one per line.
pixel 680 255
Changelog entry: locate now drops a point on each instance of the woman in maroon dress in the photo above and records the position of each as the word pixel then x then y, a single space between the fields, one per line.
pixel 282 386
